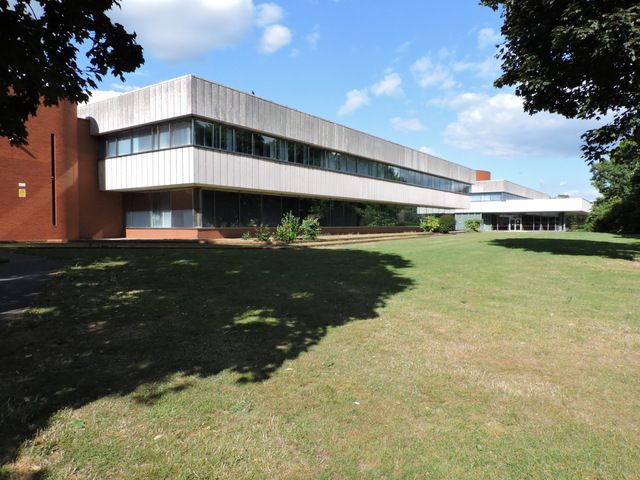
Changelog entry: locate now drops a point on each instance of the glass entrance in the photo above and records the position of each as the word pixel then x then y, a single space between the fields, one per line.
pixel 515 222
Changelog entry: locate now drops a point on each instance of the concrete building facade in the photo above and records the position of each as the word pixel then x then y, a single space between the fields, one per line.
pixel 501 205
pixel 189 158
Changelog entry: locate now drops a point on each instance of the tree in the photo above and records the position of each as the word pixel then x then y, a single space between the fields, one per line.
pixel 576 58
pixel 41 40
pixel 618 179
pixel 581 59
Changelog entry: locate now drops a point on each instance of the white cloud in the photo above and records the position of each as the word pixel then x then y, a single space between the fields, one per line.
pixel 176 30
pixel 429 74
pixel 390 85
pixel 314 37
pixel 458 101
pixel 185 29
pixel 487 68
pixel 498 126
pixel 274 38
pixel 407 125
pixel 488 37
pixel 268 14
pixel 355 99
pixel 99 95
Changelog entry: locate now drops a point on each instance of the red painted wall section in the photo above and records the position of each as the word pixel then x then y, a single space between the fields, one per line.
pixel 482 175
pixel 79 206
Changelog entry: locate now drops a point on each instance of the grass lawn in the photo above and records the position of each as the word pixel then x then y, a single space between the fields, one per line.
pixel 468 356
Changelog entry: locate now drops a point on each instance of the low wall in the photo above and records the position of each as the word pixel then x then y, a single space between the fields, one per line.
pixel 236 232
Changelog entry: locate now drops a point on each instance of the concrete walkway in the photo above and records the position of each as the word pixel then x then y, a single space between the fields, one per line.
pixel 20 281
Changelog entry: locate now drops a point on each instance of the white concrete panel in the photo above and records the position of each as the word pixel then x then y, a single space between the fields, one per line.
pixel 152 170
pixel 491 186
pixel 209 168
pixel 189 95
pixel 538 205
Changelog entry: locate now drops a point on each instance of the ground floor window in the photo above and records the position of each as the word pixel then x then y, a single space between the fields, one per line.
pixel 526 222
pixel 219 209
pixel 159 209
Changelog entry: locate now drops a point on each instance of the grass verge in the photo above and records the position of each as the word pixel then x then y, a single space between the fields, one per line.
pixel 473 356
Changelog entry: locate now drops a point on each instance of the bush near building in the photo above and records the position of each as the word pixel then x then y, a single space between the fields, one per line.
pixel 430 224
pixel 447 223
pixel 310 228
pixel 472 225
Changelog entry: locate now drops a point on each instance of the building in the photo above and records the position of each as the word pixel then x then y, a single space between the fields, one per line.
pixel 507 206
pixel 191 159
pixel 49 187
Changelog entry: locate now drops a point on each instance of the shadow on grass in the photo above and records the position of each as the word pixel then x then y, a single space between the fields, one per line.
pixel 558 246
pixel 116 321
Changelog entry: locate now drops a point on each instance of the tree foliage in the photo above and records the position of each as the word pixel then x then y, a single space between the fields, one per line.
pixel 576 58
pixel 581 59
pixel 41 40
pixel 618 180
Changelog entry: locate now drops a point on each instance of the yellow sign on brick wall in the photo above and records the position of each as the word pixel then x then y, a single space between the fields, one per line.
pixel 22 193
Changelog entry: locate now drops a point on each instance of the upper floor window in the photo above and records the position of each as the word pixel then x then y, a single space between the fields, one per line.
pixel 192 131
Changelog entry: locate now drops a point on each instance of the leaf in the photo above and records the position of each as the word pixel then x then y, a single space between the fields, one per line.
pixel 77 424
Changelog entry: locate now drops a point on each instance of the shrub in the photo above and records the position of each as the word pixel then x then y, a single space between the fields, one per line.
pixel 447 223
pixel 473 225
pixel 247 236
pixel 263 233
pixel 430 224
pixel 310 228
pixel 288 229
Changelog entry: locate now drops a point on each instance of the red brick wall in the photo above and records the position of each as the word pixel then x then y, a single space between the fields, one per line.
pixel 101 213
pixel 30 218
pixel 81 210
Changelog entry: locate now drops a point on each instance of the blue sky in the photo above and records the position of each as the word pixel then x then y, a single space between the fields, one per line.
pixel 418 73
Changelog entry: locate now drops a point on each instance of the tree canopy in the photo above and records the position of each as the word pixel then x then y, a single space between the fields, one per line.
pixel 576 58
pixel 39 63
pixel 581 59
pixel 618 180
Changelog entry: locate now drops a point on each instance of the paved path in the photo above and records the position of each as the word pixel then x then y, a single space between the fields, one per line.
pixel 20 281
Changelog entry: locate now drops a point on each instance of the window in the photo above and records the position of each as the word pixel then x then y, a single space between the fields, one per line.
pixel 227 211
pixel 112 147
pixel 250 210
pixel 351 164
pixel 138 210
pixel 163 136
pixel 208 208
pixel 124 144
pixel 302 154
pixel 243 142
pixel 226 138
pixel 181 133
pixel 142 140
pixel 291 151
pixel 160 210
pixel 269 147
pixel 271 210
pixel 203 132
pixel 315 157
pixel 182 208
